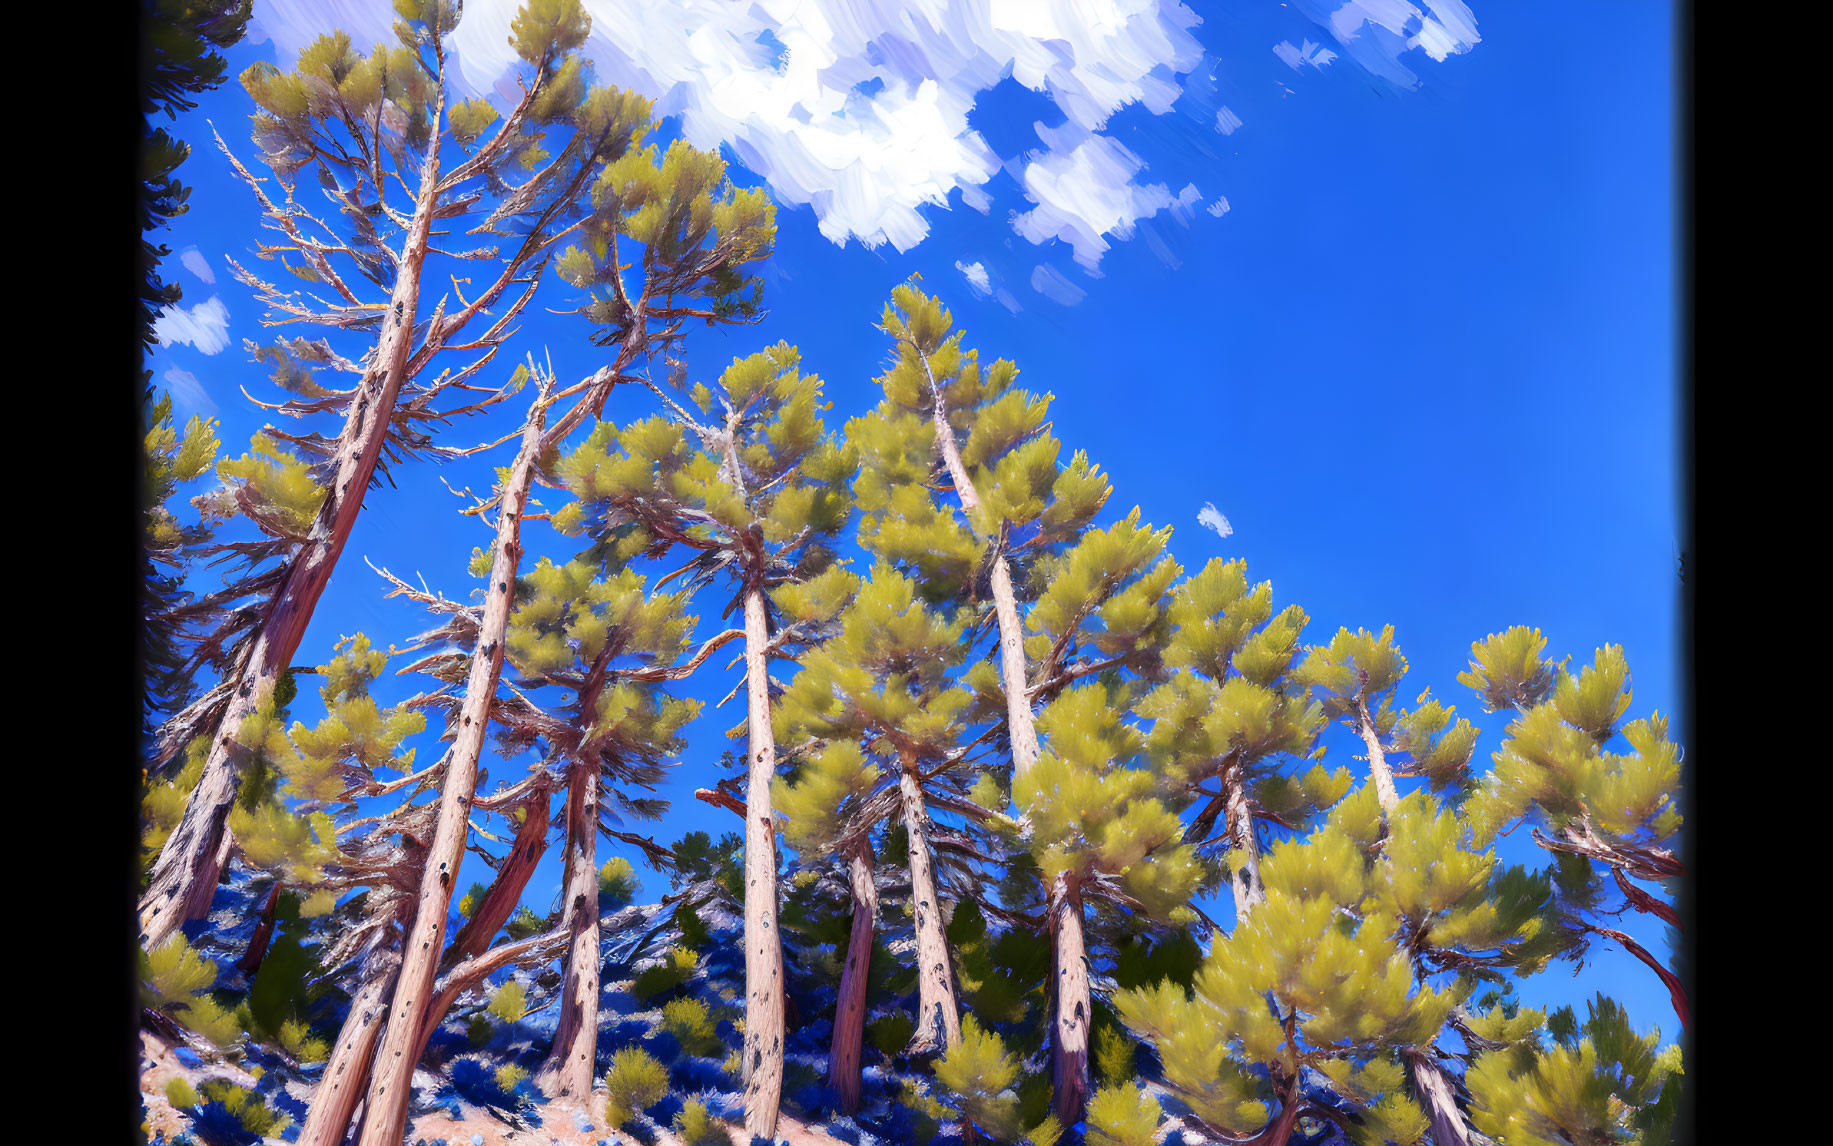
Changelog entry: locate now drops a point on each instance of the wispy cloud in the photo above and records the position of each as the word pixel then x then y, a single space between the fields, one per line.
pixel 1212 517
pixel 1226 120
pixel 204 326
pixel 976 275
pixel 195 262
pixel 859 109
pixel 1055 286
pixel 188 393
pixel 1219 208
pixel 1375 33
pixel 1317 55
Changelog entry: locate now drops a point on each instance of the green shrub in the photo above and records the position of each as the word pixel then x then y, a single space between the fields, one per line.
pixel 1113 1055
pixel 508 1075
pixel 695 1126
pixel 510 1002
pixel 1122 1115
pixel 471 899
pixel 524 923
pixel 691 1022
pixel 176 980
pixel 248 1108
pixel 297 1038
pixel 635 1082
pixel 178 1092
pixel 675 970
pixel 891 1033
pixel 694 935
pixel 977 1073
pixel 617 881
pixel 479 1030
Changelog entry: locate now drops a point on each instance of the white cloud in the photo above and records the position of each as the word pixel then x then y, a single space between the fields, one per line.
pixel 859 109
pixel 1212 517
pixel 195 262
pixel 204 326
pixel 1084 190
pixel 1374 33
pixel 1055 286
pixel 1220 207
pixel 188 393
pixel 976 275
pixel 866 163
pixel 1317 55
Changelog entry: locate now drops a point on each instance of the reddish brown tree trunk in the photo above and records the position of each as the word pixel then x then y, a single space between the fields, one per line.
pixel 250 962
pixel 568 1071
pixel 1069 1057
pixel 185 874
pixel 764 988
pixel 938 1014
pixel 342 1084
pixel 850 1009
pixel 390 1083
pixel 492 911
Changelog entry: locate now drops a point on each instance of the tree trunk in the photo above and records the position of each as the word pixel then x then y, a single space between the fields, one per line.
pixel 490 913
pixel 342 1084
pixel 1243 876
pixel 250 962
pixel 850 1009
pixel 1429 1080
pixel 764 988
pixel 1074 1006
pixel 1377 760
pixel 938 1014
pixel 1433 1089
pixel 390 1084
pixel 569 1068
pixel 185 874
pixel 1020 724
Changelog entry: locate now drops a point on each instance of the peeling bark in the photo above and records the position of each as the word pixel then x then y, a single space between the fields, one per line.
pixel 189 866
pixel 390 1083
pixel 850 1008
pixel 938 1014
pixel 568 1071
pixel 764 990
pixel 1069 1033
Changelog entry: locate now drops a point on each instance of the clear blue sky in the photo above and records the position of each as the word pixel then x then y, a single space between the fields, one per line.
pixel 1424 363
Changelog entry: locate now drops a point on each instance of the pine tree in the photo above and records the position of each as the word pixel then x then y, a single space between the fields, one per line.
pixel 1596 811
pixel 1317 977
pixel 355 122
pixel 888 723
pixel 1230 715
pixel 168 608
pixel 752 492
pixel 1019 514
pixel 1356 676
pixel 1599 1082
pixel 590 628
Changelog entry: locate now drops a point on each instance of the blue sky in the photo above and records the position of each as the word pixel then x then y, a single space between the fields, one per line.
pixel 1423 361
